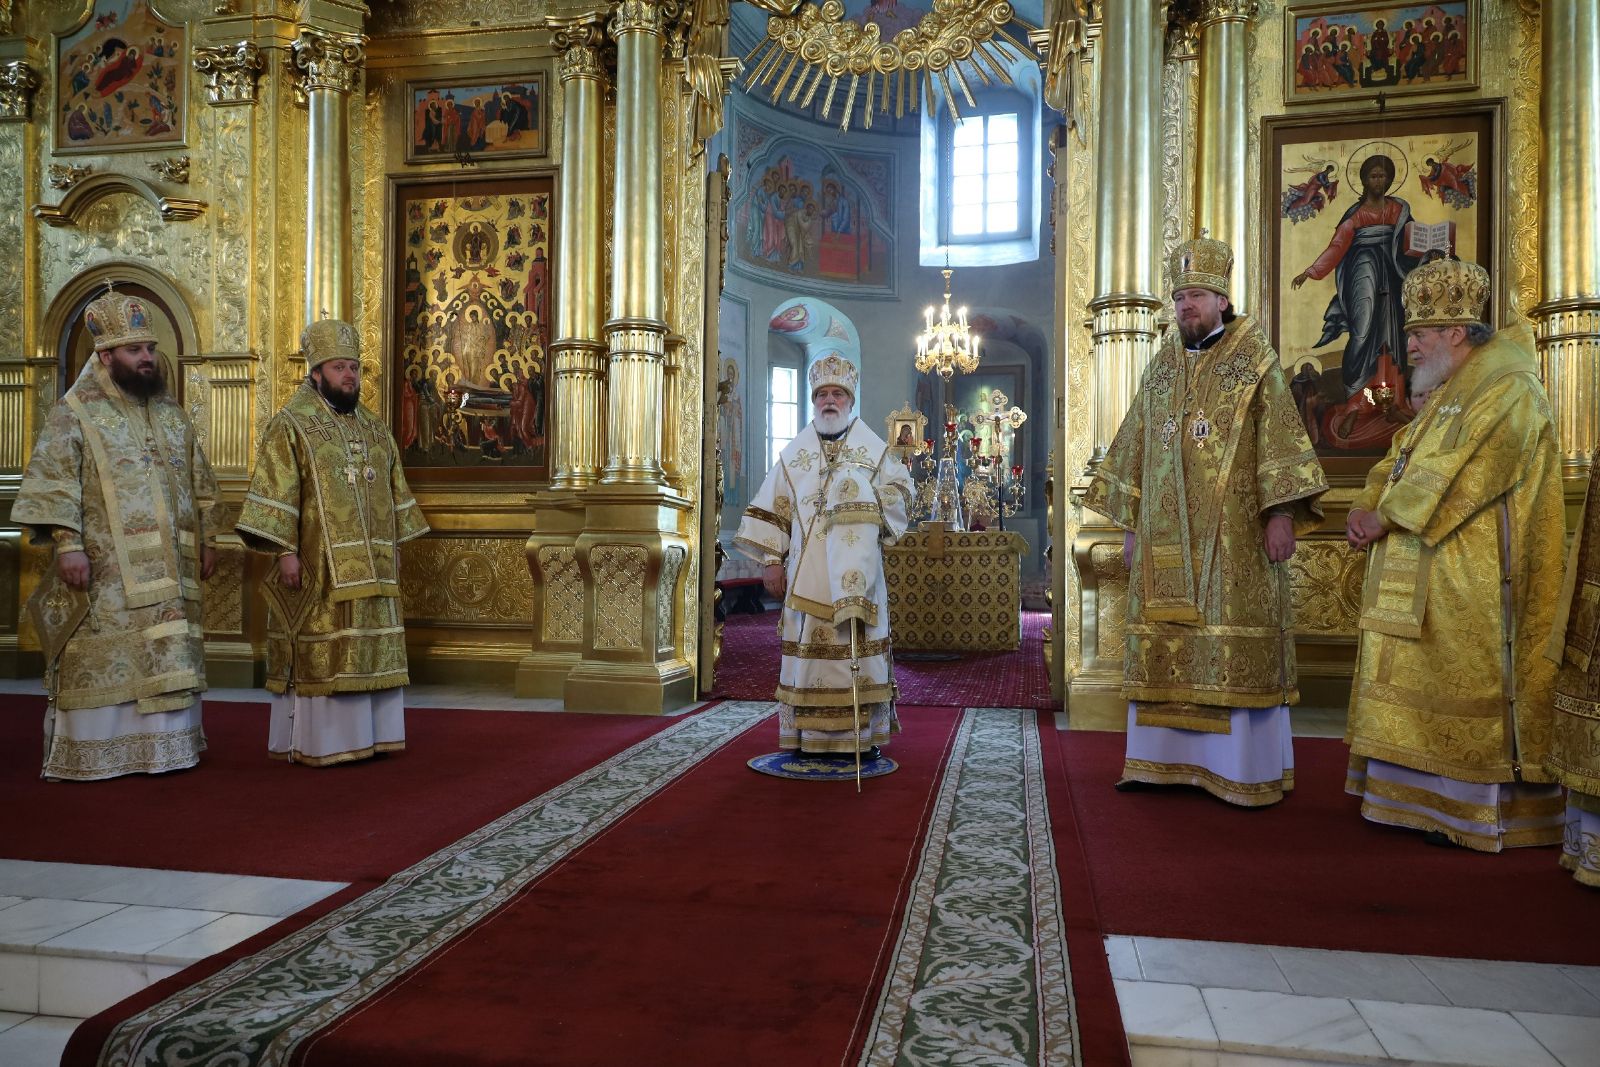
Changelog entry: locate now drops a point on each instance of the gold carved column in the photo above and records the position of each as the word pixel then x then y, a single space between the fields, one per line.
pixel 1127 207
pixel 329 66
pixel 1220 201
pixel 1128 200
pixel 1567 321
pixel 633 556
pixel 579 357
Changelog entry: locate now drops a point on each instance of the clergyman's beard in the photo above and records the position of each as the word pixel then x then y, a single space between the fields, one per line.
pixel 137 383
pixel 342 402
pixel 827 425
pixel 1193 335
pixel 1426 377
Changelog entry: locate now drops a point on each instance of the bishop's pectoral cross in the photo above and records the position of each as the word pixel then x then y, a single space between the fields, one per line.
pixel 350 472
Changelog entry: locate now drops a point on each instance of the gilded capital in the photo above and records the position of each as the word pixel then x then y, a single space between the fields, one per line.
pixel 637 16
pixel 8 16
pixel 579 40
pixel 17 83
pixel 231 71
pixel 1213 11
pixel 325 60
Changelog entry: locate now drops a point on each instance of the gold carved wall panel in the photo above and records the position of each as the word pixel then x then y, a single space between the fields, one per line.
pixel 667 596
pixel 1111 582
pixel 224 593
pixel 1325 588
pixel 466 581
pixel 619 596
pixel 563 594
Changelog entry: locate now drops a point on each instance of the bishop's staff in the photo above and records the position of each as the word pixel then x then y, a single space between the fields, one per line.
pixel 855 698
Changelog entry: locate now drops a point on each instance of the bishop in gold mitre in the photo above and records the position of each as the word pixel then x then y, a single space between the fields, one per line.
pixel 1212 477
pixel 1449 724
pixel 119 484
pixel 330 500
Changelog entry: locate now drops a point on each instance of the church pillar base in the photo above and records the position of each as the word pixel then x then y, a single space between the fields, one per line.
pixel 558 601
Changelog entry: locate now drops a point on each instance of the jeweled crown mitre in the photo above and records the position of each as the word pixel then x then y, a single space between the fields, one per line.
pixel 328 339
pixel 834 369
pixel 1446 292
pixel 1203 263
pixel 114 319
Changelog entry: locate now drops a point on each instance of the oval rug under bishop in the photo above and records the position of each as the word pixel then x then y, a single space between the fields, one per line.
pixel 820 768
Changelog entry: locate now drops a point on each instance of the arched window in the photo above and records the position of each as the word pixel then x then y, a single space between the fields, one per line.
pixel 986 180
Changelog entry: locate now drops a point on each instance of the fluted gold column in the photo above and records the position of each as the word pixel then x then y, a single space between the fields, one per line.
pixel 329 66
pixel 1219 203
pixel 636 334
pixel 579 351
pixel 1567 320
pixel 1127 206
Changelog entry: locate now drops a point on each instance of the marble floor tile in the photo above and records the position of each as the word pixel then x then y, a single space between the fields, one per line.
pixel 8 1019
pixel 1165 1012
pixel 1588 977
pixel 70 985
pixel 1167 1056
pixel 156 888
pixel 130 933
pixel 1470 1037
pixel 1249 1021
pixel 19 982
pixel 1124 959
pixel 1501 986
pixel 38 1042
pixel 61 881
pixel 263 896
pixel 1573 1040
pixel 1369 975
pixel 210 939
pixel 35 921
pixel 1210 963
pixel 6 902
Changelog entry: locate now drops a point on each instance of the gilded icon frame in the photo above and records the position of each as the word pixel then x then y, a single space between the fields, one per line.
pixel 1294 94
pixel 416 92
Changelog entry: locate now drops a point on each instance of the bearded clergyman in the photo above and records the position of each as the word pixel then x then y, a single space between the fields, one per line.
pixel 330 501
pixel 819 525
pixel 1212 478
pixel 120 486
pixel 1450 716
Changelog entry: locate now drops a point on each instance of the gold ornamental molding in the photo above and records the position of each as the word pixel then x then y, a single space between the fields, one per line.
pixel 579 39
pixel 173 168
pixel 1213 11
pixel 956 41
pixel 325 60
pixel 232 71
pixel 99 186
pixel 64 177
pixel 17 84
pixel 637 16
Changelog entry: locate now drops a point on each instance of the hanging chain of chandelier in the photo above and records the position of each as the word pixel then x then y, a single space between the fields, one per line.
pixel 959 41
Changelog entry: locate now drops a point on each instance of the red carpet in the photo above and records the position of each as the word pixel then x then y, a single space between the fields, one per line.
pixel 1311 872
pixel 757 938
pixel 239 812
pixel 748 669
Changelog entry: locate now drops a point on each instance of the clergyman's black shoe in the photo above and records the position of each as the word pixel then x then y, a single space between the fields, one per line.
pixel 1133 785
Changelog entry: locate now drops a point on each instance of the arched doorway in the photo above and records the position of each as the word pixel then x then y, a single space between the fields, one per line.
pixel 65 338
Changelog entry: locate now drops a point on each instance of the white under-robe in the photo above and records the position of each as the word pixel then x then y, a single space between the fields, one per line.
pixel 339 728
pixel 91 744
pixel 1252 765
pixel 1485 816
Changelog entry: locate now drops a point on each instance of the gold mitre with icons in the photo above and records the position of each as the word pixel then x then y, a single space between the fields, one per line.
pixel 834 369
pixel 114 319
pixel 328 339
pixel 1203 263
pixel 1445 292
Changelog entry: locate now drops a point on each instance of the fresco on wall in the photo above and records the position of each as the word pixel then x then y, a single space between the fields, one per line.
pixel 802 212
pixel 120 80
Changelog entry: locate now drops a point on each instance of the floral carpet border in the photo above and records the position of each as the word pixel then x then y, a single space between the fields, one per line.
pixel 259 1010
pixel 980 974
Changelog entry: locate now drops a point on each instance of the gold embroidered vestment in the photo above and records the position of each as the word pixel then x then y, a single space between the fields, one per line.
pixel 132 480
pixel 330 488
pixel 1460 597
pixel 1211 443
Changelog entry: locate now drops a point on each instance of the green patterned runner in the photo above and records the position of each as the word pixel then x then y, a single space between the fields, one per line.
pixel 259 1010
pixel 979 975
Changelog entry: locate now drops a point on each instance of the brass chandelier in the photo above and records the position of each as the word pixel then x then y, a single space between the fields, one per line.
pixel 947 346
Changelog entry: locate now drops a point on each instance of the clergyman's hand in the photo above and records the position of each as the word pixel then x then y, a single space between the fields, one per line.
pixel 74 570
pixel 289 571
pixel 1280 538
pixel 1127 550
pixel 1362 528
pixel 774 581
pixel 208 562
